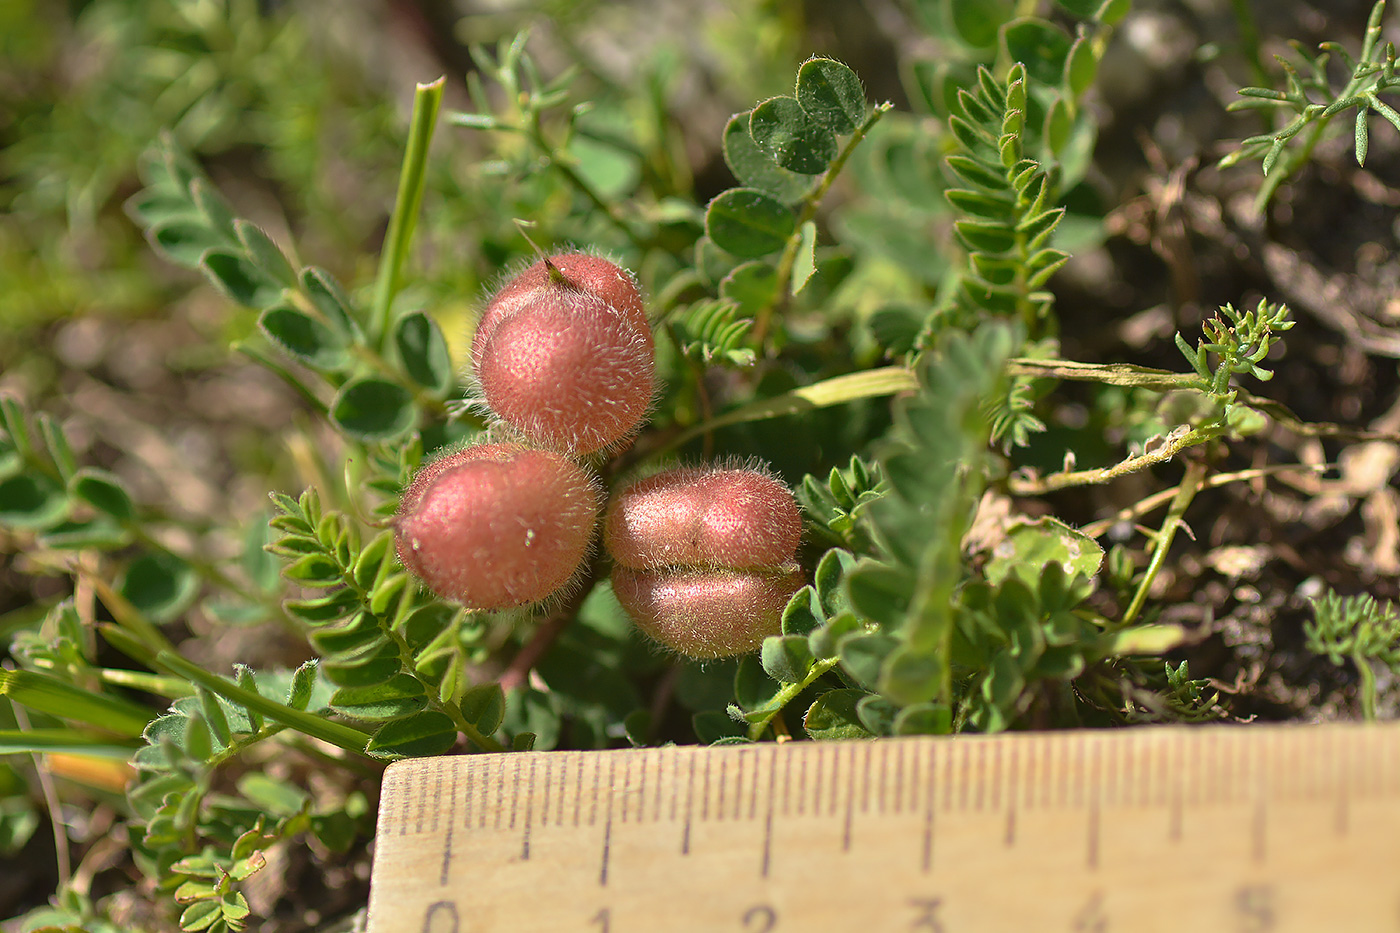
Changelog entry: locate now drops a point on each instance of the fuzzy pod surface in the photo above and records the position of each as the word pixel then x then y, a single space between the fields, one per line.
pixel 706 613
pixel 497 525
pixel 703 517
pixel 576 271
pixel 568 371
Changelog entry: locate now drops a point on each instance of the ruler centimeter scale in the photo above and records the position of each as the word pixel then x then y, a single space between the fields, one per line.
pixel 1215 828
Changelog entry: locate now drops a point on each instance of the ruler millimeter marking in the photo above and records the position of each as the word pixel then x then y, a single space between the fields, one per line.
pixel 1254 828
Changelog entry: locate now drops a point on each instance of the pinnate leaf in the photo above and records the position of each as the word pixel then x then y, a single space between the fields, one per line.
pixel 748 223
pixel 785 132
pixel 831 94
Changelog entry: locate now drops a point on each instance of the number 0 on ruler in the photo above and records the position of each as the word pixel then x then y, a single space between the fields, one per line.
pixel 1250 828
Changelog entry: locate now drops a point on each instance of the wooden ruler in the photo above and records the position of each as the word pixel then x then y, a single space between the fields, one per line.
pixel 1216 828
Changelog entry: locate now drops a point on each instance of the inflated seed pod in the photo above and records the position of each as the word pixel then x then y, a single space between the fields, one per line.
pixel 567 370
pixel 579 271
pixel 497 525
pixel 706 613
pixel 703 517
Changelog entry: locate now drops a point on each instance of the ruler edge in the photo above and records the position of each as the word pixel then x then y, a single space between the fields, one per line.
pixel 397 776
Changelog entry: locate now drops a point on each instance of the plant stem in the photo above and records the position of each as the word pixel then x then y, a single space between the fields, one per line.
pixel 1185 491
pixel 560 162
pixel 787 694
pixel 809 210
pixel 1170 448
pixel 889 380
pixel 50 792
pixel 319 727
pixel 1297 157
pixel 448 709
pixel 427 99
pixel 1368 685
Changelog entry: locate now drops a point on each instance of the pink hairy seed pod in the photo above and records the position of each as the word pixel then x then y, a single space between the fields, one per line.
pixel 707 613
pixel 568 371
pixel 703 517
pixel 578 271
pixel 496 525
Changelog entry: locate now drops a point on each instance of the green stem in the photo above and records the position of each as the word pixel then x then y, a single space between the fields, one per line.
pixel 450 710
pixel 1295 158
pixel 1368 685
pixel 787 694
pixel 809 210
pixel 1166 451
pixel 560 163
pixel 172 688
pixel 889 380
pixel 1292 160
pixel 427 99
pixel 1185 492
pixel 319 727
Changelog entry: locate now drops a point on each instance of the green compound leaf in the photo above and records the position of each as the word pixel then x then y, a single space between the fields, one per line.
pixel 976 22
pixel 1030 545
pixel 100 532
pixel 787 658
pixel 754 169
pixel 305 338
pixel 264 253
pixel 863 655
pixel 31 501
pixel 748 223
pixel 1108 11
pixel 401 695
pixel 160 585
pixel 911 676
pixel 212 205
pixel 373 410
pixel 104 492
pixel 1040 45
pixel 201 915
pixel 879 592
pixel 750 286
pixel 1112 11
pixel 330 299
pixel 418 736
pixel 1081 66
pixel 805 262
pixel 276 797
pixel 924 719
pixel 754 689
pixel 184 239
pixel 831 94
pixel 876 713
pixel 784 131
pixel 711 262
pixel 233 274
pixel 303 685
pixel 833 717
pixel 801 615
pixel 484 706
pixel 423 351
